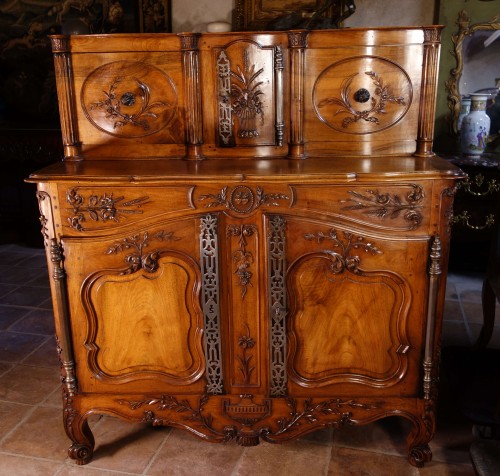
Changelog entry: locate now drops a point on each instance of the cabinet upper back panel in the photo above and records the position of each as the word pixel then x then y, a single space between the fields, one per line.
pixel 267 94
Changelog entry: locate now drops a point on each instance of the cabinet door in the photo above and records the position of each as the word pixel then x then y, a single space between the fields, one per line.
pixel 356 307
pixel 136 315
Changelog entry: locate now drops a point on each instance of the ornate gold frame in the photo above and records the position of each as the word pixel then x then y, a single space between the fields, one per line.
pixel 465 28
pixel 255 15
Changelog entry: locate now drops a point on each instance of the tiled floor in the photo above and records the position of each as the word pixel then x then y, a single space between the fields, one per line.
pixel 33 442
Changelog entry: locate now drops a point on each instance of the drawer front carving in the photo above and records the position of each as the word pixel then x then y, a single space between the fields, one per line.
pixel 242 199
pixel 86 209
pixel 391 207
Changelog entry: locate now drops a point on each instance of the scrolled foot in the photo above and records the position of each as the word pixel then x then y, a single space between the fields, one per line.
pixel 419 455
pixel 82 454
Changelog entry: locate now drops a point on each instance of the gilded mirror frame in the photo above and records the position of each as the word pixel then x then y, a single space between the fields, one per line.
pixel 465 29
pixel 258 15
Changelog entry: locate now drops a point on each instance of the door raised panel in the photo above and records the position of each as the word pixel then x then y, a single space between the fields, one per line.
pixel 356 319
pixel 145 322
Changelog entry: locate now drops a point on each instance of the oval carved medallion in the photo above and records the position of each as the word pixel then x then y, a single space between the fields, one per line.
pixel 129 99
pixel 362 95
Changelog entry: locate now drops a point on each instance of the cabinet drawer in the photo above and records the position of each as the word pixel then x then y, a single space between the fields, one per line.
pixel 401 207
pixel 87 209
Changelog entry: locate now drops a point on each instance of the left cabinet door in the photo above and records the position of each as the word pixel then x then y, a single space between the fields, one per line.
pixel 135 313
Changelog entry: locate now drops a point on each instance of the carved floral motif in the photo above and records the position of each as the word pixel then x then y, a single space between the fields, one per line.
pixel 140 259
pixel 245 342
pixel 242 258
pixel 311 411
pixel 100 207
pixel 116 106
pixel 385 205
pixel 384 95
pixel 247 415
pixel 344 260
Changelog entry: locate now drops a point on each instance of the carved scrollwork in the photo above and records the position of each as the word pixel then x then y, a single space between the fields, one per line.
pixel 344 259
pixel 140 259
pixel 247 415
pixel 41 196
pixel 100 207
pixel 311 411
pixel 242 199
pixel 385 205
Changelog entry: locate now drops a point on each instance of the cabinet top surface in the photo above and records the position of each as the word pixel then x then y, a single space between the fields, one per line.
pixel 272 170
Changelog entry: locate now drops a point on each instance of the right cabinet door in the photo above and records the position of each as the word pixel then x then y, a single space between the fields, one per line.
pixel 356 309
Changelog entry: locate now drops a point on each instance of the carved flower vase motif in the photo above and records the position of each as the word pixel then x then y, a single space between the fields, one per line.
pixel 475 127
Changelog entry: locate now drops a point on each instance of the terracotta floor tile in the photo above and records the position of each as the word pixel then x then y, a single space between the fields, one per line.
pixel 14 258
pixel 40 279
pixel 6 289
pixel 21 466
pixel 54 399
pixel 352 462
pixel 451 443
pixel 10 415
pixel 455 333
pixel 5 367
pixel 71 469
pixel 451 290
pixel 15 346
pixel 185 454
pixel 442 469
pixel 9 315
pixel 18 275
pixel 294 458
pixel 41 435
pixel 471 295
pixel 37 321
pixel 25 384
pixel 45 355
pixel 31 296
pixel 452 311
pixel 386 436
pixel 474 312
pixel 321 437
pixel 125 446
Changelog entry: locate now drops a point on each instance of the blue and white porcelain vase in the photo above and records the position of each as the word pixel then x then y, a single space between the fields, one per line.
pixel 475 127
pixel 464 110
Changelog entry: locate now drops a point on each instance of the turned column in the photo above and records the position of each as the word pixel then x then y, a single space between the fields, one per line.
pixel 297 42
pixel 65 95
pixel 191 70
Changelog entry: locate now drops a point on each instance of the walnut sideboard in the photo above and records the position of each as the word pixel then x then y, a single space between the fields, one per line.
pixel 248 236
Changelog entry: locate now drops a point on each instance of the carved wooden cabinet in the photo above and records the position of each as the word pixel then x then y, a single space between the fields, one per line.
pixel 248 237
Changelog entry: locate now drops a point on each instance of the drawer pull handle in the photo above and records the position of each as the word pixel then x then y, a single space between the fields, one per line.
pixel 464 219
